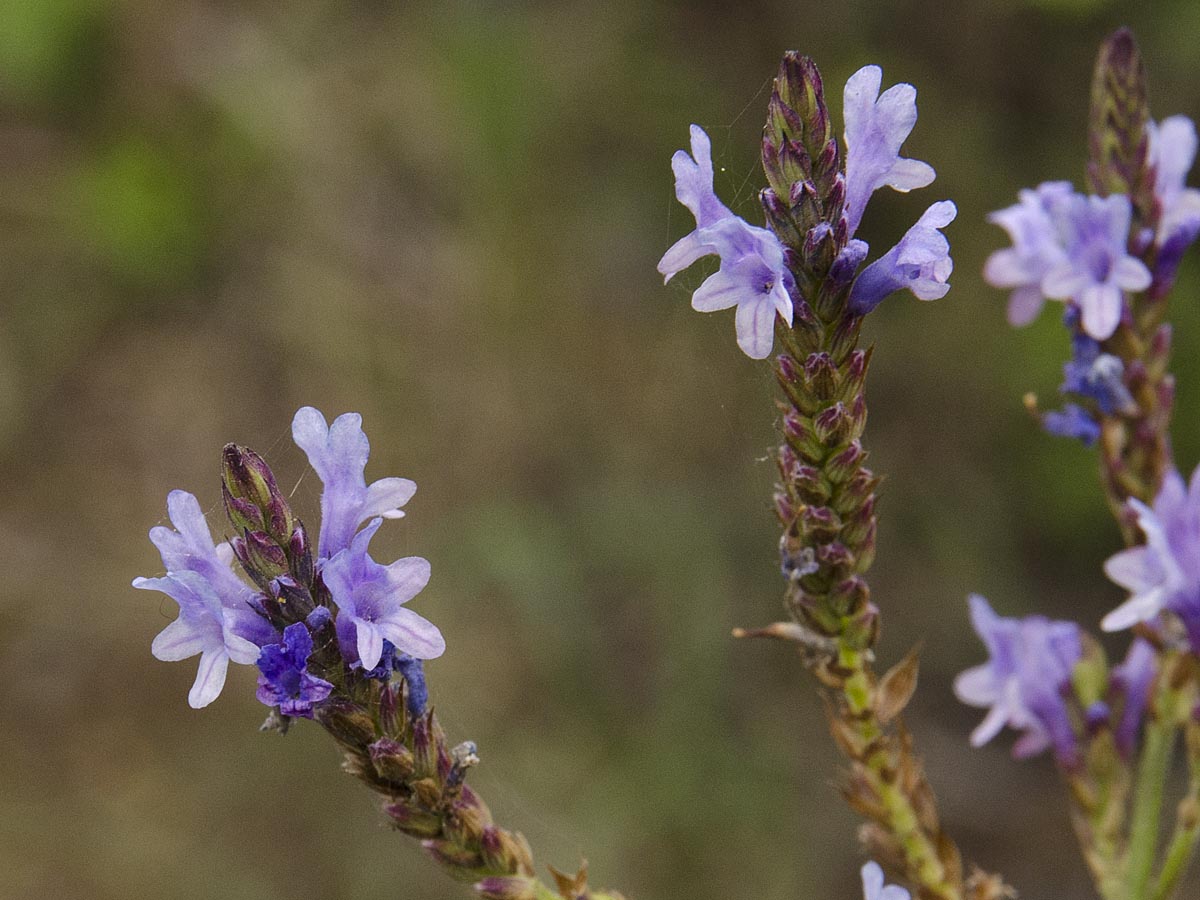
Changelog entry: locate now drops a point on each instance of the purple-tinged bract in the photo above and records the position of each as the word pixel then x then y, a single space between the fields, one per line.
pixel 1164 573
pixel 338 453
pixel 370 598
pixel 876 125
pixel 1024 682
pixel 752 275
pixel 285 681
pixel 920 263
pixel 875 889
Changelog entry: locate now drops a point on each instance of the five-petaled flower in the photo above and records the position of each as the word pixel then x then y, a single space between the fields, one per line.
pixel 752 275
pixel 1024 681
pixel 218 617
pixel 370 599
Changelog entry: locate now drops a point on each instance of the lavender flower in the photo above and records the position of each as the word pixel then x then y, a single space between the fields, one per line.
pixel 1024 681
pixel 218 617
pixel 204 627
pixel 1164 573
pixel 1035 250
pixel 339 454
pixel 1097 269
pixel 752 275
pixel 876 125
pixel 874 888
pixel 285 681
pixel 920 262
pixel 370 599
pixel 1132 680
pixel 1172 152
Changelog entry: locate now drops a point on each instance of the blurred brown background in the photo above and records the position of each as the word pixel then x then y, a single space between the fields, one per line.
pixel 447 216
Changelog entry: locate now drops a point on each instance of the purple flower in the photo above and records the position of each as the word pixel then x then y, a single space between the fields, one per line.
pixel 1072 421
pixel 285 680
pixel 1035 251
pixel 1024 681
pixel 204 627
pixel 752 275
pixel 218 616
pixel 1097 269
pixel 339 454
pixel 1164 573
pixel 370 598
pixel 874 888
pixel 876 127
pixel 920 262
pixel 1132 680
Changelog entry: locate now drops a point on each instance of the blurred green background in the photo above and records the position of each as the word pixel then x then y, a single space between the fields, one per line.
pixel 447 216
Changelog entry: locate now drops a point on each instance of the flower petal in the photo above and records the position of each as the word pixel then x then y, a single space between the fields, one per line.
pixel 755 322
pixel 210 678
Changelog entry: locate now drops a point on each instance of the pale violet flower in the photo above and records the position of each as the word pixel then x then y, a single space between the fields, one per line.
pixel 370 598
pixel 338 453
pixel 920 262
pixel 218 617
pixel 1164 573
pixel 752 275
pixel 876 125
pixel 875 889
pixel 1035 250
pixel 1024 681
pixel 1172 152
pixel 204 627
pixel 1097 269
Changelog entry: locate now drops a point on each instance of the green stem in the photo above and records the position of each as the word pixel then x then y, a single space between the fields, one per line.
pixel 1187 826
pixel 923 863
pixel 1148 799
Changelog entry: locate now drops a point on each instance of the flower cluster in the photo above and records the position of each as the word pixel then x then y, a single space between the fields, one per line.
pixel 1080 248
pixel 755 273
pixel 338 608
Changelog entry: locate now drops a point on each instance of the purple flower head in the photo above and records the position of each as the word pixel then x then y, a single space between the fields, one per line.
pixel 218 616
pixel 204 627
pixel 1172 152
pixel 1164 573
pixel 285 680
pixel 370 598
pixel 1072 421
pixel 920 262
pixel 875 889
pixel 1095 375
pixel 1035 249
pixel 1132 680
pixel 876 127
pixel 752 275
pixel 1097 269
pixel 1024 682
pixel 338 453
